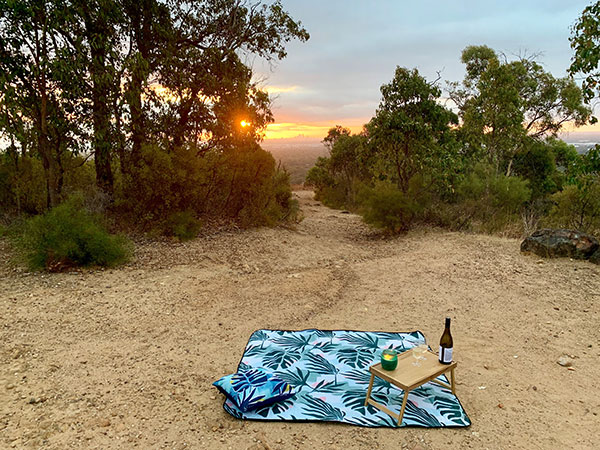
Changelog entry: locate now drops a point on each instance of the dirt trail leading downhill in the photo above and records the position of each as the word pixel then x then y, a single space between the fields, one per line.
pixel 125 358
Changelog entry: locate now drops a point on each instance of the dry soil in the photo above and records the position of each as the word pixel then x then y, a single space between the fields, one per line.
pixel 125 358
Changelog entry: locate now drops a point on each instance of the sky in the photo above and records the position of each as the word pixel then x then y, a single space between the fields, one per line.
pixel 355 46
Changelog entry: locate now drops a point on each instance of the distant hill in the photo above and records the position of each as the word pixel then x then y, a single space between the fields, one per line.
pixel 581 140
pixel 296 155
pixel 299 154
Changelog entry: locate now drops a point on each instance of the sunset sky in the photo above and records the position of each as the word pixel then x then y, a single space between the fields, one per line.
pixel 355 46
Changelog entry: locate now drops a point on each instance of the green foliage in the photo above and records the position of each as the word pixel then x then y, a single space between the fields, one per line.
pixel 409 127
pixel 578 205
pixel 493 200
pixel 386 207
pixel 536 164
pixel 566 158
pixel 22 186
pixel 67 236
pixel 241 184
pixel 320 176
pixel 183 225
pixel 584 42
pixel 334 134
pixel 504 104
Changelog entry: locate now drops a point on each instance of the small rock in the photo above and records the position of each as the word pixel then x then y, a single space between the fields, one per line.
pixel 565 361
pixel 101 422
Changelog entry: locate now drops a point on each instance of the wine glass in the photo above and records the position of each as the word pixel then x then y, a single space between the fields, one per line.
pixel 418 353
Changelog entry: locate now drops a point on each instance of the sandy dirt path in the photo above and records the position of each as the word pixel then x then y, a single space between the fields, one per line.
pixel 125 358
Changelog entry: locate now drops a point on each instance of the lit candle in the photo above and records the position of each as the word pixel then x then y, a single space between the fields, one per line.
pixel 389 359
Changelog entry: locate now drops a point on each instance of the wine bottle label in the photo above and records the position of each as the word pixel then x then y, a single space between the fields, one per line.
pixel 445 354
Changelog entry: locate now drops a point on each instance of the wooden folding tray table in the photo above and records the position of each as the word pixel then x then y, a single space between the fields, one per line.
pixel 407 377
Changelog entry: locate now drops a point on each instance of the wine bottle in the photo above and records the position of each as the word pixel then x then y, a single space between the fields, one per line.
pixel 446 344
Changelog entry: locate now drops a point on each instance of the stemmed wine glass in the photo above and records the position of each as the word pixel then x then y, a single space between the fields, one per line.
pixel 418 353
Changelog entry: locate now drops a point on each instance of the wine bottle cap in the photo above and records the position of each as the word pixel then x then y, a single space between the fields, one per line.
pixel 447 320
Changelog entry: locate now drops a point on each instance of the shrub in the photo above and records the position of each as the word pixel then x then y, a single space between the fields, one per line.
pixel 537 165
pixel 241 184
pixel 578 205
pixel 386 207
pixel 183 225
pixel 281 205
pixel 22 186
pixel 493 200
pixel 66 236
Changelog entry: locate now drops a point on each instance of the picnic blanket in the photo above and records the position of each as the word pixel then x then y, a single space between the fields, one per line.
pixel 329 370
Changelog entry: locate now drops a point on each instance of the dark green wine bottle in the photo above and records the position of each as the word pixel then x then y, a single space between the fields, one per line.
pixel 446 344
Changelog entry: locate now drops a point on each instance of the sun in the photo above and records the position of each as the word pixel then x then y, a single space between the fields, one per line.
pixel 244 124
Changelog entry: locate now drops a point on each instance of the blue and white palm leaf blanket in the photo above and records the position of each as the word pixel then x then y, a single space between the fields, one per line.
pixel 329 371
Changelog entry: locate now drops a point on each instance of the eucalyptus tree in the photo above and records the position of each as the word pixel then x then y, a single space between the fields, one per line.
pixel 504 105
pixel 585 40
pixel 38 114
pixel 209 86
pixel 409 128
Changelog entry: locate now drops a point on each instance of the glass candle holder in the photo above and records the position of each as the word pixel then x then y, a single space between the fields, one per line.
pixel 389 359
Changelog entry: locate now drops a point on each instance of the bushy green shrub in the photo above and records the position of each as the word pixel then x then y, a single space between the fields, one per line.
pixel 492 200
pixel 386 207
pixel 537 165
pixel 22 186
pixel 281 205
pixel 67 236
pixel 183 225
pixel 578 205
pixel 241 184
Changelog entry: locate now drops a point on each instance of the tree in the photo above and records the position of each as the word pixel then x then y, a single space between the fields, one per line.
pixel 209 88
pixel 333 135
pixel 37 114
pixel 585 37
pixel 408 128
pixel 504 104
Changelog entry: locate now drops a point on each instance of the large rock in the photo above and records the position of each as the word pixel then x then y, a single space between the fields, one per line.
pixel 595 258
pixel 560 243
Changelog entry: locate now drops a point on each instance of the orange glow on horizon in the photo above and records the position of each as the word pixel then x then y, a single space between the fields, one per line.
pixel 287 130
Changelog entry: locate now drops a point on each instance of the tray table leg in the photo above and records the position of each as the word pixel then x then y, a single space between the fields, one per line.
pixel 402 409
pixel 452 381
pixel 370 388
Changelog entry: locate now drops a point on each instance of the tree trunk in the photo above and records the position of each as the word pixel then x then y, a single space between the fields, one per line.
pixel 44 151
pixel 137 117
pixel 42 112
pixel 101 90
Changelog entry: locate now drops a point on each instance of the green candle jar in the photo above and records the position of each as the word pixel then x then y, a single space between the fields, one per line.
pixel 389 359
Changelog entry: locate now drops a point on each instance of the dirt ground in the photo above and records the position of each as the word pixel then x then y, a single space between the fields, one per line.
pixel 125 358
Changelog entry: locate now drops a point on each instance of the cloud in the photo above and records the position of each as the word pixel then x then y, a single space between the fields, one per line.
pixel 355 47
pixel 280 89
